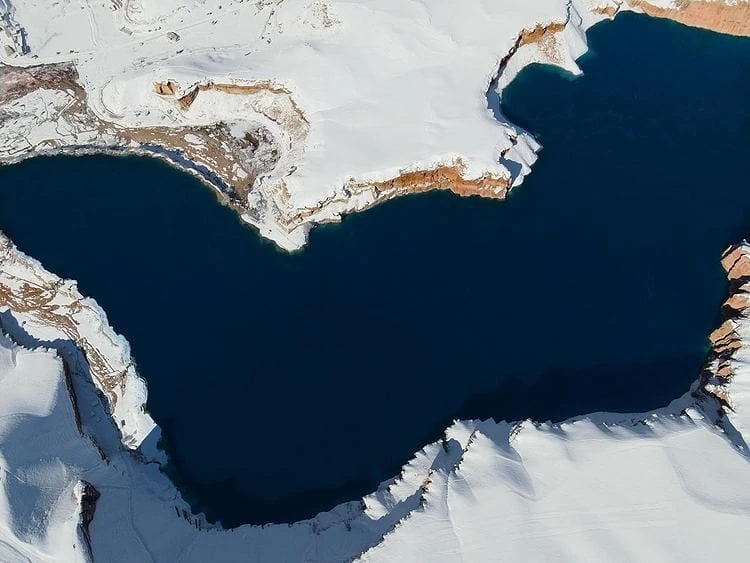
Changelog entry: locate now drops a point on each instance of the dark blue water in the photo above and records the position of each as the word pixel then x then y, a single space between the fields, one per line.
pixel 287 384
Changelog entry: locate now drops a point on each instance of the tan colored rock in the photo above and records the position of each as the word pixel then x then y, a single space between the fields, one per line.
pixel 446 177
pixel 729 348
pixel 187 100
pixel 737 263
pixel 443 178
pixel 737 302
pixel 16 82
pixel 722 334
pixel 540 32
pixel 168 88
pixel 733 19
pixel 725 371
pixel 609 11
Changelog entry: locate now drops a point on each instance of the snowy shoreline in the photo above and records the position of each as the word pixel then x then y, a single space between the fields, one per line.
pixel 37 309
pixel 481 464
pixel 299 138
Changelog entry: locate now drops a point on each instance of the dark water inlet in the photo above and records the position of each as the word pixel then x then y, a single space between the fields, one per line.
pixel 286 384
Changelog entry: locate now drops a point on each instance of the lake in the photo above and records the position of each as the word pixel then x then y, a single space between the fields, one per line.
pixel 286 384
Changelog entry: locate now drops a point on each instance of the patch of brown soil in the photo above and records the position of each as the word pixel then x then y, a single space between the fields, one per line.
pixel 722 334
pixel 540 32
pixel 231 158
pixel 733 19
pixel 168 88
pixel 725 341
pixel 187 100
pixel 737 263
pixel 737 303
pixel 37 300
pixel 609 11
pixel 16 82
pixel 442 178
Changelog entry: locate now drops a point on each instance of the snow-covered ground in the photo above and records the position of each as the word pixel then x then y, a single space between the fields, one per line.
pixel 673 484
pixel 300 111
pixel 345 103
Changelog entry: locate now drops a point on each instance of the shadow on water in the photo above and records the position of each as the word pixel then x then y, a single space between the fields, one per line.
pixel 558 394
pixel 287 384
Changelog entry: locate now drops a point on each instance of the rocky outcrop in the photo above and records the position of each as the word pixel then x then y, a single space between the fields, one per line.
pixel 726 341
pixel 724 17
pixel 168 88
pixel 16 82
pixel 736 262
pixel 89 496
pixel 540 32
pixel 443 178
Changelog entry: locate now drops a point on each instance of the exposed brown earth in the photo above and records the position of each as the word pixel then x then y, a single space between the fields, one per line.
pixel 16 82
pixel 725 341
pixel 610 11
pixel 737 303
pixel 38 301
pixel 168 88
pixel 449 178
pixel 231 158
pixel 737 263
pixel 444 178
pixel 540 32
pixel 187 100
pixel 716 16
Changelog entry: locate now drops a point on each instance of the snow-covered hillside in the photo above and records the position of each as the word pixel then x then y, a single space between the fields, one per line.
pixel 665 485
pixel 297 111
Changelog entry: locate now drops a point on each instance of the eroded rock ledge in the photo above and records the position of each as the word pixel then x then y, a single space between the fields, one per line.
pixel 723 17
pixel 726 341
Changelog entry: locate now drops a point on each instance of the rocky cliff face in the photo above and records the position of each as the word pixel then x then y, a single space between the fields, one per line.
pixel 732 18
pixel 52 310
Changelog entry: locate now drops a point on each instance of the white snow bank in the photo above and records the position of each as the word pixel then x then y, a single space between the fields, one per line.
pixel 387 86
pixel 667 485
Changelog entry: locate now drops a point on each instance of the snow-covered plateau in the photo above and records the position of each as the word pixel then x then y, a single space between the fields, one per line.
pixel 298 112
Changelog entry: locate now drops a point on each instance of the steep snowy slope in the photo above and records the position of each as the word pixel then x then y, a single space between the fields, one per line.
pixel 40 516
pixel 667 485
pixel 297 112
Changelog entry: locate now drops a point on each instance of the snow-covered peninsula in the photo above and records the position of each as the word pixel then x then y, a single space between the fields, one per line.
pixel 295 110
pixel 297 116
